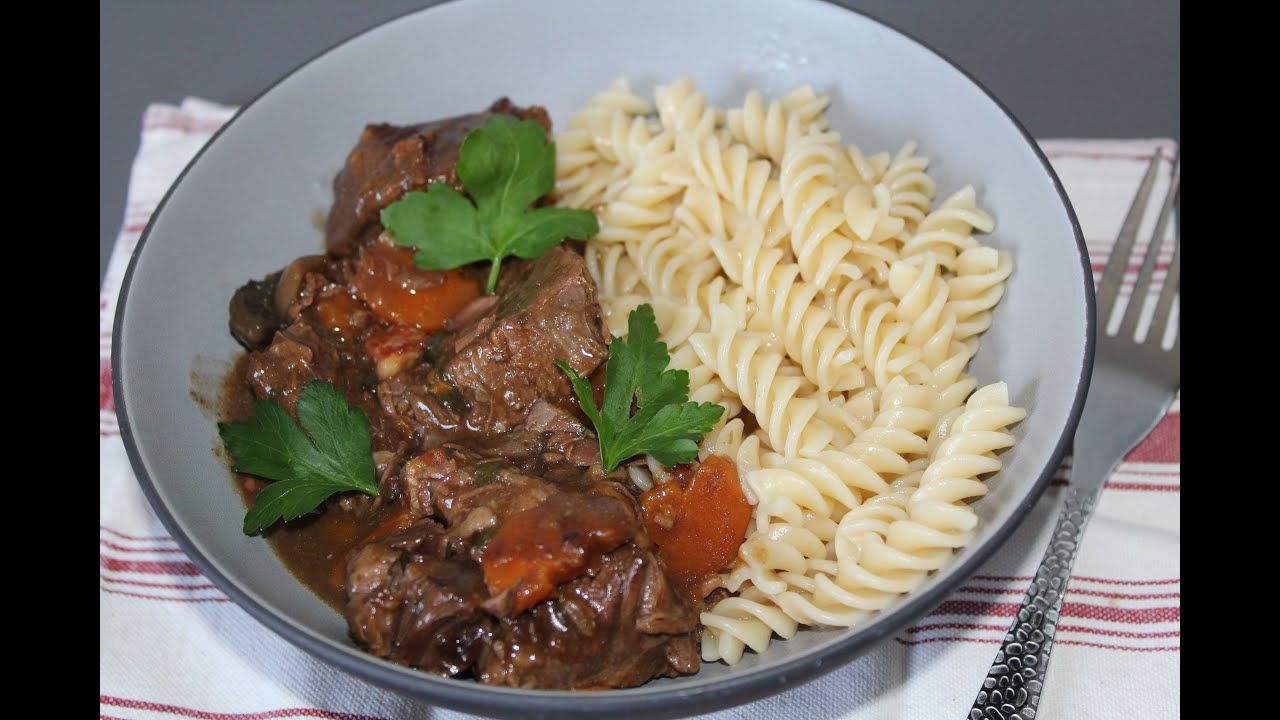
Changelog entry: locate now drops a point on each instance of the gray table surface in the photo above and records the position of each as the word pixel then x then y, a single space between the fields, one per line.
pixel 1087 68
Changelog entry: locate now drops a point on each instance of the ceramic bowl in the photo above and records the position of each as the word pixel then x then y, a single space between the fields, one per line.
pixel 247 205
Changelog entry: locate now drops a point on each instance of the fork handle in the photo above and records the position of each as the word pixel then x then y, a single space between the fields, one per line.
pixel 1012 687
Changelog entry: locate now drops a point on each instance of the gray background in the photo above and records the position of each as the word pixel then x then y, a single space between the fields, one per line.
pixel 1087 68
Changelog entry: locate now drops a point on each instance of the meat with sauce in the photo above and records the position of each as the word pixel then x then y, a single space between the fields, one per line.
pixel 488 371
pixel 390 160
pixel 413 601
pixel 555 579
pixel 498 548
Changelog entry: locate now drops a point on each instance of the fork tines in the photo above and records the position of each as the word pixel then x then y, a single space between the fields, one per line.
pixel 1109 285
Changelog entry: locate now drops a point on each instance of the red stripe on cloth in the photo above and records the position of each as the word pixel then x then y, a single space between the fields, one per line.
pixel 209 715
pixel 124 548
pixel 1086 611
pixel 1164 444
pixel 1127 596
pixel 954 626
pixel 1174 472
pixel 1105 581
pixel 142 596
pixel 1102 244
pixel 134 228
pixel 1137 648
pixel 1143 487
pixel 1132 267
pixel 1125 486
pixel 1074 591
pixel 139 538
pixel 997 641
pixel 106 396
pixel 163 586
pixel 151 567
pixel 1070 628
pixel 1121 633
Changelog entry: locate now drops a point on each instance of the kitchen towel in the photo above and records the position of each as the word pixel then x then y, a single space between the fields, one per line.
pixel 173 646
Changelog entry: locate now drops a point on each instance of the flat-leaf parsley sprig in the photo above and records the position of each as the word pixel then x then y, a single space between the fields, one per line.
pixel 334 454
pixel 505 166
pixel 665 424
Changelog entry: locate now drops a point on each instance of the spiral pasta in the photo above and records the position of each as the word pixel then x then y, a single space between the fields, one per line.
pixel 948 230
pixel 867 312
pixel 602 143
pixel 767 130
pixel 821 297
pixel 911 190
pixel 789 308
pixel 784 402
pixel 808 180
pixel 939 507
pixel 976 288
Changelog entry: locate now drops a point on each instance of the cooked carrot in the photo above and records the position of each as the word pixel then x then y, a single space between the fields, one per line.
pixel 537 549
pixel 699 525
pixel 528 554
pixel 337 311
pixel 400 292
pixel 396 519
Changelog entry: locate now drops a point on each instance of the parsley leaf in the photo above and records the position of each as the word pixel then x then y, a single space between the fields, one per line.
pixel 333 455
pixel 665 424
pixel 505 166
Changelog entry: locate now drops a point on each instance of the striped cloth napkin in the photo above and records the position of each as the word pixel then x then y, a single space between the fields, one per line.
pixel 173 646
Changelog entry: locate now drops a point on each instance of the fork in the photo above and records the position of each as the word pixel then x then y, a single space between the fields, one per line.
pixel 1132 385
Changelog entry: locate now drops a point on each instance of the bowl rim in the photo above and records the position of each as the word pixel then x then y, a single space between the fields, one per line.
pixel 730 691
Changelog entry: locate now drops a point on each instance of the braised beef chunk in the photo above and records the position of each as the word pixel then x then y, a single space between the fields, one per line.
pixel 296 357
pixel 390 160
pixel 566 574
pixel 547 310
pixel 497 545
pixel 593 607
pixel 504 360
pixel 488 373
pixel 306 351
pixel 410 602
pixel 618 625
pixel 476 493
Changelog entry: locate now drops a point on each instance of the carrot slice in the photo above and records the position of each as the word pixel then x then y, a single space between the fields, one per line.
pixel 537 549
pixel 698 526
pixel 398 291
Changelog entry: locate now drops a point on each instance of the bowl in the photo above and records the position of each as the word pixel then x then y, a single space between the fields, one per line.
pixel 246 205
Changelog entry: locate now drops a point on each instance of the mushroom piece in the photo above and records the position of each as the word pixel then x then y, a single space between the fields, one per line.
pixel 290 283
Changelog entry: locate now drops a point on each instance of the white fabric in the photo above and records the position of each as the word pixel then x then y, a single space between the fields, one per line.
pixel 173 646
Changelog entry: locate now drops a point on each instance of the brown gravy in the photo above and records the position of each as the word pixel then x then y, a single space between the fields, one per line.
pixel 314 548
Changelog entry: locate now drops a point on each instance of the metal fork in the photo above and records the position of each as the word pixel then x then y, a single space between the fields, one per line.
pixel 1133 383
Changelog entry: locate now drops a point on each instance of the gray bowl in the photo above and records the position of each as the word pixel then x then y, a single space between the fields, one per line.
pixel 245 206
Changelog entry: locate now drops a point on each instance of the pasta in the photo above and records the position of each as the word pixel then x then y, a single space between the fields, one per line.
pixel 821 291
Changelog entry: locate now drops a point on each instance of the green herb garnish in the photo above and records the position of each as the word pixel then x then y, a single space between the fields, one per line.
pixel 665 424
pixel 333 455
pixel 505 166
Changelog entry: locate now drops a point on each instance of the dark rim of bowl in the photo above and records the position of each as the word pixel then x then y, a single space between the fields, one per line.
pixel 728 692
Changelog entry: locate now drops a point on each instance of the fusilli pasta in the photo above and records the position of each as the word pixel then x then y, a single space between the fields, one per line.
pixel 819 289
